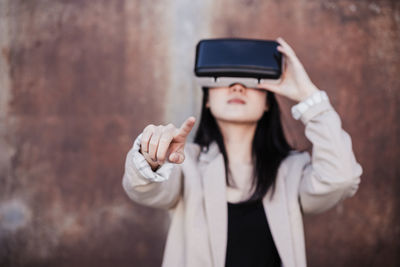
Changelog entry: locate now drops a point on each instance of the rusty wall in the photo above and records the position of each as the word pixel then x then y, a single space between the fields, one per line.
pixel 80 79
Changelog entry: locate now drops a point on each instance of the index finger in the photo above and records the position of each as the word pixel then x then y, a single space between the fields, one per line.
pixel 186 127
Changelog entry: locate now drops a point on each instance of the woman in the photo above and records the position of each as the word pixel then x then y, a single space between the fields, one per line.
pixel 237 194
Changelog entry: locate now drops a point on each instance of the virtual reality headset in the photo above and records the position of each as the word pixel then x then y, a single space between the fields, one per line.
pixel 226 61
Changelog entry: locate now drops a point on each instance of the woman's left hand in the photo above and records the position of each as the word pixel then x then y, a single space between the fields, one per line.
pixel 295 83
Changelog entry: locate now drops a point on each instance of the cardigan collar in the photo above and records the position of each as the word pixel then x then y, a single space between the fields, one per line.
pixel 211 153
pixel 217 213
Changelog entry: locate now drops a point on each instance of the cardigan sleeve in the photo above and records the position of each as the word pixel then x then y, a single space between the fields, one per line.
pixel 157 189
pixel 333 173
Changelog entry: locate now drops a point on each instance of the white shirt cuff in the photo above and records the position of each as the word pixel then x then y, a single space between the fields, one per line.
pixel 301 107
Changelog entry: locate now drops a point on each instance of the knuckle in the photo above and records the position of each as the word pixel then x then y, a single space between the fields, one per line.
pixel 170 127
pixel 164 130
pixel 148 132
pixel 157 131
pixel 149 127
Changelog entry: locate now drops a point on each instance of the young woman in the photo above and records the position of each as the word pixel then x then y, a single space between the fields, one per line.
pixel 238 193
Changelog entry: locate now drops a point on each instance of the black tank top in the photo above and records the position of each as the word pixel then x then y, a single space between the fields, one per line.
pixel 250 241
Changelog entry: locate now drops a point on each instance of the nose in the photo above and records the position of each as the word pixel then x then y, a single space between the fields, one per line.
pixel 237 87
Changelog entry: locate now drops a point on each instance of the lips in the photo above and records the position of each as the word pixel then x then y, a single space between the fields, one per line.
pixel 236 101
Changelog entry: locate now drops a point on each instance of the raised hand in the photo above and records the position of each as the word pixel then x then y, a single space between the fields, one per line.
pixel 295 83
pixel 165 142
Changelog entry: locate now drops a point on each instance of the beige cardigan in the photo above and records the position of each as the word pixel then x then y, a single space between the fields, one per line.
pixel 195 193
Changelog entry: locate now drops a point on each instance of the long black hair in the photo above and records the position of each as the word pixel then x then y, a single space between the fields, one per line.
pixel 269 145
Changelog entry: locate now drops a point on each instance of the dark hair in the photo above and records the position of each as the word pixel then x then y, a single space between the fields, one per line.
pixel 269 145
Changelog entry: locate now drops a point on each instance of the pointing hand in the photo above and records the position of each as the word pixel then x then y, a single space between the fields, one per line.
pixel 165 142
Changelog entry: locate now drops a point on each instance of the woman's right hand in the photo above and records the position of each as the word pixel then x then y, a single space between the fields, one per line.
pixel 165 142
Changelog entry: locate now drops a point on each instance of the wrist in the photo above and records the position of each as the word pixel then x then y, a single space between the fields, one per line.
pixel 308 92
pixel 154 167
pixel 153 164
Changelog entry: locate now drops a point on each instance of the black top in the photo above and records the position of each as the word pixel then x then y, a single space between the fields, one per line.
pixel 250 241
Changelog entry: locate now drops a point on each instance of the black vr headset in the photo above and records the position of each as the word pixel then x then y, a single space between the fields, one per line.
pixel 223 62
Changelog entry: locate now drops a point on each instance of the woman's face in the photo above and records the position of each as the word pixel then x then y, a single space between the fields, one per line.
pixel 237 103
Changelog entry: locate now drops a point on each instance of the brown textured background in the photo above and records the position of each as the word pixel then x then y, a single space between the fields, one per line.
pixel 79 80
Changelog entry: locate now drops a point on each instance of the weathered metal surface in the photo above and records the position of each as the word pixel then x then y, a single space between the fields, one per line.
pixel 82 86
pixel 79 80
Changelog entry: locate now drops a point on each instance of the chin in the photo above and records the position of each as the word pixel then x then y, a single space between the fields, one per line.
pixel 239 119
pixel 236 115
